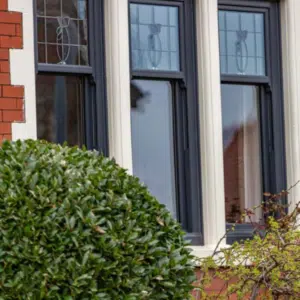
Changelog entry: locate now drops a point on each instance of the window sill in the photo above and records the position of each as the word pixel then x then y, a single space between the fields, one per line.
pixel 205 251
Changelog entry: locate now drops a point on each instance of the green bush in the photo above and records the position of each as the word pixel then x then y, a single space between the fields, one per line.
pixel 74 225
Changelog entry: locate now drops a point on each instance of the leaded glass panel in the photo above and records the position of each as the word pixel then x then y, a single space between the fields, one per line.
pixel 154 37
pixel 62 32
pixel 242 47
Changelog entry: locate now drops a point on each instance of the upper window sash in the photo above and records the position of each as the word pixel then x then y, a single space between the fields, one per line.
pixel 157 39
pixel 244 42
pixel 66 31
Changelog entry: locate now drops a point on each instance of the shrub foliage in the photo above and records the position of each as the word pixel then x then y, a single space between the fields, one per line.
pixel 74 225
pixel 264 267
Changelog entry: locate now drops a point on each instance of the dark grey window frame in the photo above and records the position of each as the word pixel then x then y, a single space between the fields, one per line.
pixel 186 119
pixel 271 101
pixel 95 107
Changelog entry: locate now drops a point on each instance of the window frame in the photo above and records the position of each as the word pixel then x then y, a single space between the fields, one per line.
pixel 186 137
pixel 271 101
pixel 95 103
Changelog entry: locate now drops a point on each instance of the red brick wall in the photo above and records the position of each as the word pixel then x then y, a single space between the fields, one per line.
pixel 218 287
pixel 11 97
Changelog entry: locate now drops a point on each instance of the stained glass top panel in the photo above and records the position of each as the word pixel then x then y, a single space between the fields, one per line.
pixel 242 43
pixel 62 32
pixel 154 37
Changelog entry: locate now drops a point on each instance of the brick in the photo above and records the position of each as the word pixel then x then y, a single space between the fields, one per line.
pixel 217 285
pixel 196 294
pixel 4 66
pixel 7 137
pixel 14 42
pixel 8 103
pixel 5 128
pixel 18 30
pixel 10 17
pixel 7 29
pixel 12 115
pixel 19 103
pixel 11 97
pixel 3 5
pixel 4 78
pixel 13 91
pixel 4 54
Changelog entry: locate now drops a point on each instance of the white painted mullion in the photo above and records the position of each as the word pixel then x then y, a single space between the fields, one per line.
pixel 118 81
pixel 290 28
pixel 210 111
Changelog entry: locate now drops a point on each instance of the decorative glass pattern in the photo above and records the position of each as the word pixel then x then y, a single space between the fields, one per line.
pixel 62 32
pixel 242 47
pixel 154 37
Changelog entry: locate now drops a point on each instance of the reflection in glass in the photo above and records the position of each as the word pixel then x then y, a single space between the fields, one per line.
pixel 60 109
pixel 241 150
pixel 154 37
pixel 242 48
pixel 152 139
pixel 62 32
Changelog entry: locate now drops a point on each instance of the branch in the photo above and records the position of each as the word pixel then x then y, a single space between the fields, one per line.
pixel 254 291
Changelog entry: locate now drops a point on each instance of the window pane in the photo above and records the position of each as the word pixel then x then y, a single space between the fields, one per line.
pixel 154 37
pixel 62 32
pixel 242 48
pixel 60 109
pixel 241 150
pixel 152 139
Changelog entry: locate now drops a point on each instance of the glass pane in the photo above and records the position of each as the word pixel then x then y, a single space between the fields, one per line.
pixel 152 138
pixel 241 150
pixel 40 7
pixel 154 37
pixel 60 108
pixel 62 31
pixel 242 45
